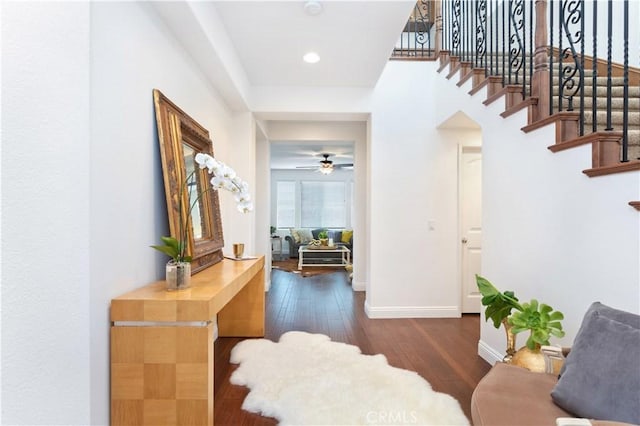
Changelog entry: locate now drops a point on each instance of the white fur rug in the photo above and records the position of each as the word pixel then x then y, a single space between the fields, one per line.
pixel 306 379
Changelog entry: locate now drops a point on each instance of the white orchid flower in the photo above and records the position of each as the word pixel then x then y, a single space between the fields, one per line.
pixel 229 186
pixel 213 165
pixel 201 159
pixel 224 177
pixel 245 206
pixel 218 182
pixel 242 196
pixel 237 182
pixel 228 172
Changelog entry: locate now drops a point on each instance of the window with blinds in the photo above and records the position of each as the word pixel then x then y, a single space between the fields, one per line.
pixel 286 204
pixel 323 204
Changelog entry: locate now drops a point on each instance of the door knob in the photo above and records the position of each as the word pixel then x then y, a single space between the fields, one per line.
pixel 464 241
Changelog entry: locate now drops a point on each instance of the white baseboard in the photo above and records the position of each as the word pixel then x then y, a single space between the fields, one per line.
pixel 488 353
pixel 267 285
pixel 358 285
pixel 411 311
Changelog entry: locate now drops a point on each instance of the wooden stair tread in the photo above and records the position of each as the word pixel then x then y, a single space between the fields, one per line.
pixel 583 140
pixel 522 105
pixel 629 166
pixel 573 116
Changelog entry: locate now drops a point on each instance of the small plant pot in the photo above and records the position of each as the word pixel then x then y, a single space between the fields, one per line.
pixel 532 360
pixel 324 241
pixel 178 275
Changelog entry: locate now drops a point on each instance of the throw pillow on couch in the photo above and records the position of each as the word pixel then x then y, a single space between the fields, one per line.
pixel 301 236
pixel 600 378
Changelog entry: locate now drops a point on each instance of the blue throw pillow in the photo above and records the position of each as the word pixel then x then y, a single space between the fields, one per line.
pixel 601 376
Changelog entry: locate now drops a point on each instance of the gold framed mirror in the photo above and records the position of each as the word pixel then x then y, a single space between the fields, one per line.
pixel 187 187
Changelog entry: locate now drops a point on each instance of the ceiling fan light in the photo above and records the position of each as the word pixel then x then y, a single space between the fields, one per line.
pixel 311 57
pixel 326 170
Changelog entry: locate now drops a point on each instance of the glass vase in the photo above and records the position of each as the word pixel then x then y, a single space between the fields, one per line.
pixel 178 275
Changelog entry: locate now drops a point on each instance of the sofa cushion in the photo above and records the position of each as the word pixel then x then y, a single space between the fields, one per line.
pixel 301 235
pixel 295 235
pixel 601 376
pixel 510 395
pixel 336 235
pixel 346 236
pixel 305 236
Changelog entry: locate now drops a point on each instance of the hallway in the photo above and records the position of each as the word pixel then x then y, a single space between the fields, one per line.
pixel 443 351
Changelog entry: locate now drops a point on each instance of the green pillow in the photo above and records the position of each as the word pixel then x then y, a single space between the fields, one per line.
pixel 346 236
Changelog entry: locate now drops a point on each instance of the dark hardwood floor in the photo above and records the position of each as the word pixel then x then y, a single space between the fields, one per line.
pixel 443 351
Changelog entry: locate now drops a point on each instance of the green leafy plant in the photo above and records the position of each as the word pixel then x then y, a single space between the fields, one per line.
pixel 174 249
pixel 323 234
pixel 272 230
pixel 540 319
pixel 499 305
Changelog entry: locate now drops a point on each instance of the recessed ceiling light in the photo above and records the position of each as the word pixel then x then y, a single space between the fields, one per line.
pixel 313 8
pixel 311 57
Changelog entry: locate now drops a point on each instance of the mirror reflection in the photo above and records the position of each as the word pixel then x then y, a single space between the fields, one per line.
pixel 193 189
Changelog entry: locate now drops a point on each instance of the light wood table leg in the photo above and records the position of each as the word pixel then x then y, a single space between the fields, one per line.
pixel 162 375
pixel 243 316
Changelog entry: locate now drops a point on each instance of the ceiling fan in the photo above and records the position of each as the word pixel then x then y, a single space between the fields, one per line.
pixel 326 166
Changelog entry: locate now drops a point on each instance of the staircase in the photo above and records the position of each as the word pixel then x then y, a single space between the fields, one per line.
pixel 606 144
pixel 611 126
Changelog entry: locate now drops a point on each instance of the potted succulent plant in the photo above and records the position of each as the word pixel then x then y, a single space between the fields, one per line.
pixel 323 236
pixel 539 319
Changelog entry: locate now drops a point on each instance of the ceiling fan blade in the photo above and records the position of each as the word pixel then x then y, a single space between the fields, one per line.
pixel 308 167
pixel 344 165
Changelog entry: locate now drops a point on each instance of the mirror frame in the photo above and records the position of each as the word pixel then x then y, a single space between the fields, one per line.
pixel 175 128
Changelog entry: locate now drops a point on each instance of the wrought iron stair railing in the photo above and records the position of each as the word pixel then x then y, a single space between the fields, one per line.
pixel 417 39
pixel 539 49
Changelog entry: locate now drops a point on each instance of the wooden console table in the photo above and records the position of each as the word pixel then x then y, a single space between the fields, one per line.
pixel 162 342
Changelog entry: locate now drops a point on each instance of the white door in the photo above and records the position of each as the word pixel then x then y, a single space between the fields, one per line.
pixel 470 226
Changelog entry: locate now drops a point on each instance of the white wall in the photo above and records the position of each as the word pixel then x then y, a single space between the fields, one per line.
pixel 45 214
pixel 132 53
pixel 549 231
pixel 262 200
pixel 241 155
pixel 413 180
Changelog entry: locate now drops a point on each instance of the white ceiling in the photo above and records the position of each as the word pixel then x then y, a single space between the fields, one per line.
pixel 245 45
pixel 353 38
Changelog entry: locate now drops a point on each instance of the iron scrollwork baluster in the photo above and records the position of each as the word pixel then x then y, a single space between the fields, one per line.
pixel 570 84
pixel 481 34
pixel 455 43
pixel 516 46
pixel 423 20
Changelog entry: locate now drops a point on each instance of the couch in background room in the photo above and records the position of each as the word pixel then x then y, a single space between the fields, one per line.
pixel 302 236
